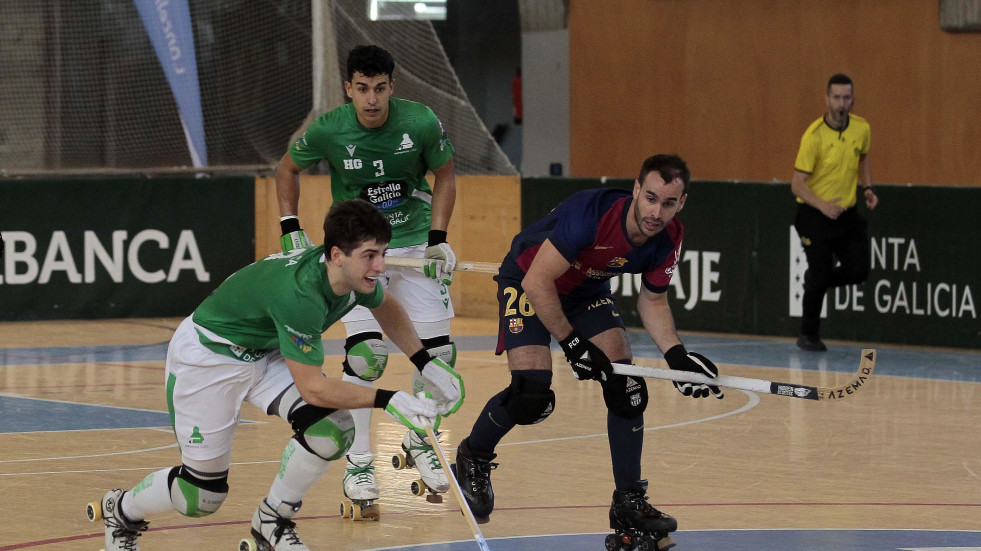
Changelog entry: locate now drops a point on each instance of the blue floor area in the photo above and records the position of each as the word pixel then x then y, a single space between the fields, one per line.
pixel 742 540
pixel 33 415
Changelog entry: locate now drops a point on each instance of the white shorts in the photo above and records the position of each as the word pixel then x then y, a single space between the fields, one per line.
pixel 424 299
pixel 206 391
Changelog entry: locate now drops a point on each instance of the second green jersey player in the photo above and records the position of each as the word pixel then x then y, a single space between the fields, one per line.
pixel 379 148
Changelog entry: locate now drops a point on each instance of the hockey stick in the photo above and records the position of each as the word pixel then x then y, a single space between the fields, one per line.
pixel 462 266
pixel 457 493
pixel 791 390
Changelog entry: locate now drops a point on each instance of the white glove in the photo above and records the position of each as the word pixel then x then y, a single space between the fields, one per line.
pixel 441 263
pixel 294 240
pixel 414 413
pixel 441 382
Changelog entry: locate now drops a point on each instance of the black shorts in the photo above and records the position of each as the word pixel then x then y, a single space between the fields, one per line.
pixel 519 326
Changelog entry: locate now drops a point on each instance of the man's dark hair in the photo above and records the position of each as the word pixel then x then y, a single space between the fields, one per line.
pixel 370 61
pixel 668 166
pixel 840 79
pixel 349 224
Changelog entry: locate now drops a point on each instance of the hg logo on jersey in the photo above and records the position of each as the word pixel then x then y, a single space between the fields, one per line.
pixel 516 325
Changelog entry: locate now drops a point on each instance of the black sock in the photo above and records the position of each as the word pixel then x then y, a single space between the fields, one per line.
pixel 626 445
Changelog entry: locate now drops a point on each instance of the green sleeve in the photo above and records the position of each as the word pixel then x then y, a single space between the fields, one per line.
pixel 309 148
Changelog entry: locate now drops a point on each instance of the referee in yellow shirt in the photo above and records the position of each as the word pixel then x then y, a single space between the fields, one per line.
pixel 832 160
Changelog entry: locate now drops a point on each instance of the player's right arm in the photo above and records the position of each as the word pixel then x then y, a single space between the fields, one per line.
pixel 317 390
pixel 288 185
pixel 540 288
pixel 288 196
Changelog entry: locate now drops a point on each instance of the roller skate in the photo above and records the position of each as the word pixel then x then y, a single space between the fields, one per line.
pixel 272 529
pixel 121 533
pixel 360 488
pixel 421 455
pixel 472 470
pixel 637 524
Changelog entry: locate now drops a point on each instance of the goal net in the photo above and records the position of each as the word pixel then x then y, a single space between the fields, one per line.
pixel 143 84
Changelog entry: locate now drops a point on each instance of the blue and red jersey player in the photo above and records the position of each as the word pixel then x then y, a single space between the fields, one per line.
pixel 589 230
pixel 555 283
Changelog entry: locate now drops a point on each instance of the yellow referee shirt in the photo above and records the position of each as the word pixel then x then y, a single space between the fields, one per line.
pixel 831 158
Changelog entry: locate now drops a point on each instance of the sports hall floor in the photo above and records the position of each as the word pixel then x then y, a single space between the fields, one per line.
pixel 896 466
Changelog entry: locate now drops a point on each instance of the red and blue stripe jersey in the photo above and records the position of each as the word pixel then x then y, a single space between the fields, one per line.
pixel 589 230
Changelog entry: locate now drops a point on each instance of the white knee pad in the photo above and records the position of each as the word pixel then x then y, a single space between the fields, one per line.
pixel 330 437
pixel 366 356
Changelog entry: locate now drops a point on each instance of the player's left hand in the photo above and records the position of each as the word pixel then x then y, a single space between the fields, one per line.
pixel 441 261
pixel 443 383
pixel 682 360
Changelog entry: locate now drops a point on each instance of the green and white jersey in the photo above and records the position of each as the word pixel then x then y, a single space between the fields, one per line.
pixel 386 165
pixel 283 302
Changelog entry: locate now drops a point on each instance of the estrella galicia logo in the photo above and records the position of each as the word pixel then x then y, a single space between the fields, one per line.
pixel 386 195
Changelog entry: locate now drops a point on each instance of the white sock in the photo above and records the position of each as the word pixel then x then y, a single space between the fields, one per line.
pixel 151 495
pixel 362 420
pixel 298 472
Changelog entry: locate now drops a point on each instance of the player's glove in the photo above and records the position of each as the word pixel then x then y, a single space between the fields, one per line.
pixel 436 378
pixel 414 413
pixel 293 237
pixel 683 360
pixel 587 360
pixel 440 258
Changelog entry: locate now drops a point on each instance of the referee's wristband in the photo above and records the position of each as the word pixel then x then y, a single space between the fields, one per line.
pixel 383 397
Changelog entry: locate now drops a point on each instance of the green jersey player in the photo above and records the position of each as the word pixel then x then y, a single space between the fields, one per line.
pixel 257 339
pixel 379 148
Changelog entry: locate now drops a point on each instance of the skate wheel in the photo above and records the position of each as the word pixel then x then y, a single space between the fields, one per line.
pixel 247 544
pixel 346 510
pixel 368 512
pixel 398 461
pixel 418 488
pixel 611 543
pixel 93 511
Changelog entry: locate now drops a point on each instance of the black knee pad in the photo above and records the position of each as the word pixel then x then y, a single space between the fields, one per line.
pixel 528 401
pixel 625 396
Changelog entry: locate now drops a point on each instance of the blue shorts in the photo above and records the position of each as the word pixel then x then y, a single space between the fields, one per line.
pixel 519 326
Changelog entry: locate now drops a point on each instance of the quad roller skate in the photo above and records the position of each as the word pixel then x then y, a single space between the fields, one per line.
pixel 421 455
pixel 121 533
pixel 272 529
pixel 472 470
pixel 637 524
pixel 360 488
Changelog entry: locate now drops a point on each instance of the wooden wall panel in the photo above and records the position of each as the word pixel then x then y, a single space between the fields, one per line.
pixel 731 86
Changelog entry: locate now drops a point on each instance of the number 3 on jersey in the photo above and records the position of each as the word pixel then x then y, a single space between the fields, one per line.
pixel 524 307
pixel 355 164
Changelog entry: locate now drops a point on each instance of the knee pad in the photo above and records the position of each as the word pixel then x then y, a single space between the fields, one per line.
pixel 625 396
pixel 197 494
pixel 528 401
pixel 366 356
pixel 326 433
pixel 442 348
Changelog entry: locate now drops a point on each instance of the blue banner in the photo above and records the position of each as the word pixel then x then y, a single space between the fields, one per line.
pixel 168 23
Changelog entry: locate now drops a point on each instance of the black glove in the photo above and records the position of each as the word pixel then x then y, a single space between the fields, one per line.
pixel 683 360
pixel 587 360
